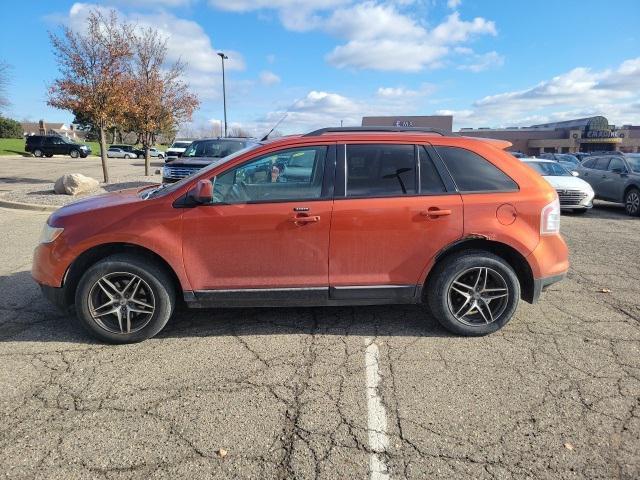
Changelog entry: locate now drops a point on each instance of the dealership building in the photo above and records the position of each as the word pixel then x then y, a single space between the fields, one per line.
pixel 580 135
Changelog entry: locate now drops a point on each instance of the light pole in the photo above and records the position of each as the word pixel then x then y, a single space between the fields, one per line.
pixel 223 57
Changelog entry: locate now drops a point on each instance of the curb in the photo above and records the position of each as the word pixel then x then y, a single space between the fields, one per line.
pixel 27 206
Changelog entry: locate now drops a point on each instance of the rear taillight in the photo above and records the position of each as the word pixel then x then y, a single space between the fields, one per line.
pixel 550 218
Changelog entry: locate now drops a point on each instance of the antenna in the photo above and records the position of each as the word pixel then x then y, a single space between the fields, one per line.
pixel 266 137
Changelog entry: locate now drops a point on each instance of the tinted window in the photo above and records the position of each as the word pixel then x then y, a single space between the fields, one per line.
pixel 472 173
pixel 617 162
pixel 589 162
pixel 380 170
pixel 601 163
pixel 274 177
pixel 213 148
pixel 430 181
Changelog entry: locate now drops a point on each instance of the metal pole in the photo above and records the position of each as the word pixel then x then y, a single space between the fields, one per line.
pixel 223 57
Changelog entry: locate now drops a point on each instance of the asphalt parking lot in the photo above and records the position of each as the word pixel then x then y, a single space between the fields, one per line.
pixel 358 392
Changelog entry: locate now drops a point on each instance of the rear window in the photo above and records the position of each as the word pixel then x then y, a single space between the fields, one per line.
pixel 381 170
pixel 472 173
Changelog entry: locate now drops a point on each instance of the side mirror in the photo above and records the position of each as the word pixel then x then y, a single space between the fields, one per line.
pixel 202 193
pixel 574 173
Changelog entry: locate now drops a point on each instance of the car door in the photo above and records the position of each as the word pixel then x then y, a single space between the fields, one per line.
pixel 392 213
pixel 263 237
pixel 592 171
pixel 614 179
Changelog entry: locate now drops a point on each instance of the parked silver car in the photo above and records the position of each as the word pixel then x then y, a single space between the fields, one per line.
pixel 115 152
pixel 615 178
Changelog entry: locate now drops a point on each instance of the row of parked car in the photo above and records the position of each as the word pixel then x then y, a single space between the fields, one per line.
pixel 610 176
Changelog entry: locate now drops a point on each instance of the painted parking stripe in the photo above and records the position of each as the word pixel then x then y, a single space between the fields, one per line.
pixel 376 415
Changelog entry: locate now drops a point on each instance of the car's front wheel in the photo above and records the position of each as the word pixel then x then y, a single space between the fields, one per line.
pixel 473 293
pixel 632 202
pixel 127 157
pixel 124 299
pixel 37 152
pixel 74 153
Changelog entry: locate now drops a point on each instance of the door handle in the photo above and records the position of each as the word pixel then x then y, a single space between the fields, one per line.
pixel 435 212
pixel 303 219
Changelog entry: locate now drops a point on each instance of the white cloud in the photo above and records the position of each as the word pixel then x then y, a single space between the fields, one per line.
pixel 154 3
pixel 404 93
pixel 378 35
pixel 484 61
pixel 453 4
pixel 269 78
pixel 186 41
pixel 580 92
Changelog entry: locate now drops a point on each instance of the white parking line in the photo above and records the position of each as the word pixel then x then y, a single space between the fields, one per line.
pixel 376 415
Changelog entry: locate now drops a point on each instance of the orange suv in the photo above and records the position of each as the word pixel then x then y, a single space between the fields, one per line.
pixel 339 216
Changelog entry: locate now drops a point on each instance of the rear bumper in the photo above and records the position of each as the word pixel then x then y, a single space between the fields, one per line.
pixel 541 284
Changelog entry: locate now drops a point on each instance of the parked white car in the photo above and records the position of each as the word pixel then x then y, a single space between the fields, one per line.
pixel 574 193
pixel 154 152
pixel 115 152
pixel 177 149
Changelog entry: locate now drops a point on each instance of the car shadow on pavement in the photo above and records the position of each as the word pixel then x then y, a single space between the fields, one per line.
pixel 26 316
pixel 607 211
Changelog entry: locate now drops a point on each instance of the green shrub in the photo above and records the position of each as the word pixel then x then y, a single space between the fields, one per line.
pixel 10 128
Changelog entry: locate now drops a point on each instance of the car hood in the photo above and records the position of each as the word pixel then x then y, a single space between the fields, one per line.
pixel 193 162
pixel 95 203
pixel 568 183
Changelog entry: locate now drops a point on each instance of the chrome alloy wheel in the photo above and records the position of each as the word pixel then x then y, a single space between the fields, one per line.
pixel 121 303
pixel 478 296
pixel 632 203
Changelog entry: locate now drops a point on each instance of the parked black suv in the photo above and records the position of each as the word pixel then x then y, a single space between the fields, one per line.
pixel 50 145
pixel 202 153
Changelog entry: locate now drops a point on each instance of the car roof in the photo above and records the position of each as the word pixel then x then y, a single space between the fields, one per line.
pixel 537 160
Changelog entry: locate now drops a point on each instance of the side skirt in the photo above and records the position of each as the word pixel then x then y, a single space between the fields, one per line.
pixel 305 297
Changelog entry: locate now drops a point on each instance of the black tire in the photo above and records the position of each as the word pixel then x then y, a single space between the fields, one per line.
pixel 140 155
pixel 160 156
pixel 450 269
pixel 632 202
pixel 156 279
pixel 37 152
pixel 127 157
pixel 49 155
pixel 74 153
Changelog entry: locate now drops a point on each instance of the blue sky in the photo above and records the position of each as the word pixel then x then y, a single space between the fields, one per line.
pixel 489 63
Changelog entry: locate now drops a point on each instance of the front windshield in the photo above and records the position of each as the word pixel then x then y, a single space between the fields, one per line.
pixel 549 169
pixel 567 158
pixel 213 148
pixel 634 162
pixel 172 187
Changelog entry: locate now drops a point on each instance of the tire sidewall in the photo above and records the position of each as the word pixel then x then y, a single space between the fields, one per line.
pixel 155 277
pixel 74 153
pixel 37 152
pixel 637 212
pixel 448 271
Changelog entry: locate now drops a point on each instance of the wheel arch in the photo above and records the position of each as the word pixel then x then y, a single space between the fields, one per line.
pixel 629 187
pixel 94 254
pixel 515 259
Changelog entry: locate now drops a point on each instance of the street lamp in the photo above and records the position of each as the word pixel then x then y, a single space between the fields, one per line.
pixel 223 57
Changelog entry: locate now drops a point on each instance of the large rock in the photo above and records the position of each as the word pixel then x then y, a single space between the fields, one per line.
pixel 74 183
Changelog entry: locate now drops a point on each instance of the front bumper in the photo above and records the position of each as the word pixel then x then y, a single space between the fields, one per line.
pixel 541 284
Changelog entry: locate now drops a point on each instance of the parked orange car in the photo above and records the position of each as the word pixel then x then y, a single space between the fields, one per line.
pixel 343 216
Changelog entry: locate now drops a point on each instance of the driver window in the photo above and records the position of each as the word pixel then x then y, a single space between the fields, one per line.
pixel 293 174
pixel 617 163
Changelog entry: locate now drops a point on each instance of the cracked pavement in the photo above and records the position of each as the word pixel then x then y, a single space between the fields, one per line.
pixel 555 394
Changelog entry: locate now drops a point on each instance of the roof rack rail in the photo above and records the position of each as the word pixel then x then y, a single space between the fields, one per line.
pixel 321 131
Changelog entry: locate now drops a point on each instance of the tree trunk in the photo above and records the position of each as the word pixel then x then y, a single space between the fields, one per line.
pixel 103 154
pixel 147 161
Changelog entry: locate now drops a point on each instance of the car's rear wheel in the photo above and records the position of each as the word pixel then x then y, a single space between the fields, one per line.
pixel 127 157
pixel 473 293
pixel 49 155
pixel 124 299
pixel 74 153
pixel 632 202
pixel 37 152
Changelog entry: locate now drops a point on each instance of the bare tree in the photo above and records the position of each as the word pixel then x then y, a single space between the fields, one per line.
pixel 160 99
pixel 94 79
pixel 5 73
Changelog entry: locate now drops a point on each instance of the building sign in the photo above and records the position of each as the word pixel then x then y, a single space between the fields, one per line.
pixel 403 123
pixel 601 134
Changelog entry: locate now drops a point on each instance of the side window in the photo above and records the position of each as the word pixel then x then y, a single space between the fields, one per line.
pixel 472 173
pixel 380 170
pixel 601 163
pixel 617 163
pixel 589 163
pixel 294 174
pixel 430 181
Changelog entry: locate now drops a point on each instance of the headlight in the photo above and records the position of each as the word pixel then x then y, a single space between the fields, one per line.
pixel 49 233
